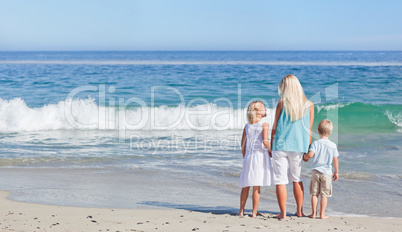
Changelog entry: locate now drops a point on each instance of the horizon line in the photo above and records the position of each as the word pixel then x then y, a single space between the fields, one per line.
pixel 200 50
pixel 180 62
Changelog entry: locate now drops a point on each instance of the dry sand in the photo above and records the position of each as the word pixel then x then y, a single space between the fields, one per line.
pixel 21 216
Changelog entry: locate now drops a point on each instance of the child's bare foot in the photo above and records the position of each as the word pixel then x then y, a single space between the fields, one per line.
pixel 324 216
pixel 312 216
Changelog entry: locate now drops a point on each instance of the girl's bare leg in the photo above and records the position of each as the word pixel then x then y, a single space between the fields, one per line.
pixel 243 199
pixel 256 200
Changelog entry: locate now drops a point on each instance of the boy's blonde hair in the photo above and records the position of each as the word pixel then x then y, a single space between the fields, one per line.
pixel 294 100
pixel 325 127
pixel 251 115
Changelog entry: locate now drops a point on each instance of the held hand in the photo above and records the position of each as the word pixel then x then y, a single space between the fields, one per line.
pixel 305 159
pixel 270 152
pixel 335 176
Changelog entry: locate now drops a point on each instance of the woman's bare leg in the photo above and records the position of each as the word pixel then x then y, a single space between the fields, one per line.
pixel 298 192
pixel 282 195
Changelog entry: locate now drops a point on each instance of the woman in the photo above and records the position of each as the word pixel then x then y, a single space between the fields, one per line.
pixel 291 137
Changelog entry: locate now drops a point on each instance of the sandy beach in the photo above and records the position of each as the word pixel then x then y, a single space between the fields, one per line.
pixel 21 216
pixel 159 115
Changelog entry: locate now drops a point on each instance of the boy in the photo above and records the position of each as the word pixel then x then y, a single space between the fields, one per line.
pixel 323 153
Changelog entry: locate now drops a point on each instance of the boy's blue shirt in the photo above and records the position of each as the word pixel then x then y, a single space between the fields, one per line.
pixel 324 152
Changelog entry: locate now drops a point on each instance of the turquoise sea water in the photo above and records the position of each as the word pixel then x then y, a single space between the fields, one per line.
pixel 146 129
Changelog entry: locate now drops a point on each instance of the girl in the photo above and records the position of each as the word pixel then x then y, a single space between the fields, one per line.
pixel 257 170
pixel 291 137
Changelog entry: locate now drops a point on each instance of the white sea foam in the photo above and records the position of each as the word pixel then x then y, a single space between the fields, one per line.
pixel 15 115
pixel 331 107
pixel 85 114
pixel 195 62
pixel 395 118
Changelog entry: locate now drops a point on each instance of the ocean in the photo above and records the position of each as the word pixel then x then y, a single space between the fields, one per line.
pixel 163 129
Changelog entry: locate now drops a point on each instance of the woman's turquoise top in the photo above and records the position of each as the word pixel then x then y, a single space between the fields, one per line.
pixel 292 136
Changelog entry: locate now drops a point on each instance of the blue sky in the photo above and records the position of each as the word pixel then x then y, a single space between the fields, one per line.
pixel 129 25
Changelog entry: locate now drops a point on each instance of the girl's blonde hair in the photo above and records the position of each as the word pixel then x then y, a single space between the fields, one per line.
pixel 251 114
pixel 293 98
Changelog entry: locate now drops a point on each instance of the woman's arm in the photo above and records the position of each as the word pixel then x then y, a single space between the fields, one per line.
pixel 243 142
pixel 265 141
pixel 311 121
pixel 278 112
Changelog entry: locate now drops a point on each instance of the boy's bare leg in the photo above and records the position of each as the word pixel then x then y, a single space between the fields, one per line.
pixel 243 200
pixel 256 200
pixel 323 205
pixel 298 192
pixel 314 204
pixel 282 195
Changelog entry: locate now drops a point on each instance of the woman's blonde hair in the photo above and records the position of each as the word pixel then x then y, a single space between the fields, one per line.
pixel 251 114
pixel 293 98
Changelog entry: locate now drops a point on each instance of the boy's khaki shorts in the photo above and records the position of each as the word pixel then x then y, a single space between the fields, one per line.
pixel 320 184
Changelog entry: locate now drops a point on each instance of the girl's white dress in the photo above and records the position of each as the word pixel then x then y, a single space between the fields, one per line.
pixel 257 168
